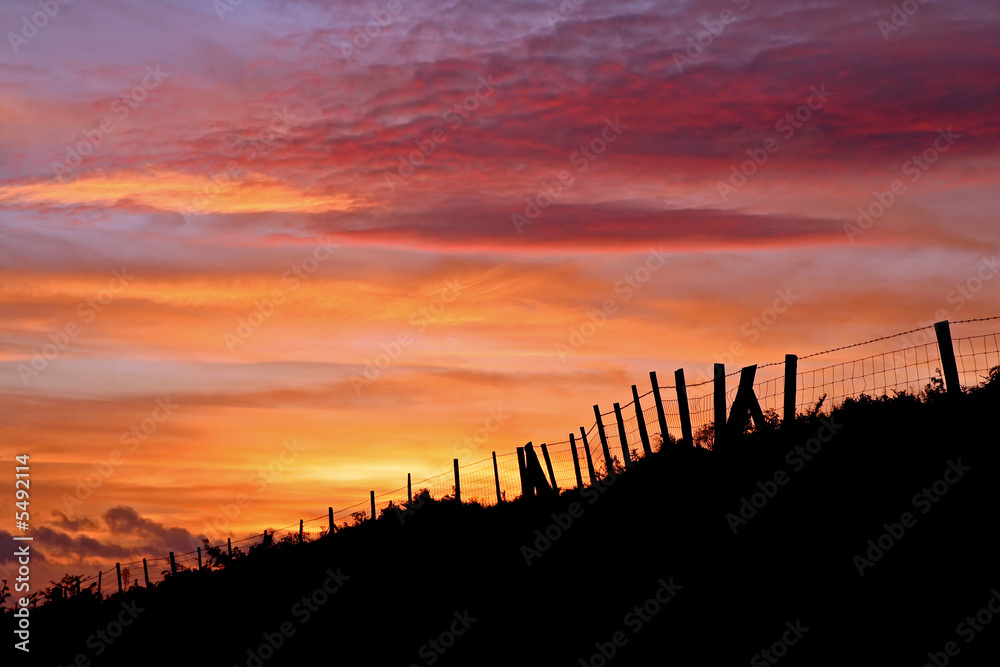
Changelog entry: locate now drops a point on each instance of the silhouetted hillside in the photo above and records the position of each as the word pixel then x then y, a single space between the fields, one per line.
pixel 916 475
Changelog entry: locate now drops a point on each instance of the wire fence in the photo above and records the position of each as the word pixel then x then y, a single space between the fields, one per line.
pixel 908 369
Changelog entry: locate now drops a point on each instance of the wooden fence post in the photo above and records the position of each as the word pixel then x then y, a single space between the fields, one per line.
pixel 118 567
pixel 199 558
pixel 145 572
pixel 609 467
pixel 373 505
pixel 300 530
pixel 229 546
pixel 660 414
pixel 100 575
pixel 496 478
pixel 409 488
pixel 522 472
pixel 950 366
pixel 622 440
pixel 576 461
pixel 791 391
pixel 745 401
pixel 683 407
pixel 537 482
pixel 640 419
pixel 330 520
pixel 590 460
pixel 173 564
pixel 720 404
pixel 458 483
pixel 548 466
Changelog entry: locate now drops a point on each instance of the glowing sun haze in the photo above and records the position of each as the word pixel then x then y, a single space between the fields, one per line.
pixel 233 210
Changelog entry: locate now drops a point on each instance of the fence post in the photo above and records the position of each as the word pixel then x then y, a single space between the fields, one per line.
pixel 229 546
pixel 576 461
pixel 496 478
pixel 590 460
pixel 522 471
pixel 537 483
pixel 199 558
pixel 660 414
pixel 744 403
pixel 458 482
pixel 683 407
pixel 947 349
pixel 173 564
pixel 548 466
pixel 720 404
pixel 609 468
pixel 622 440
pixel 640 419
pixel 791 377
pixel 118 567
pixel 330 520
pixel 300 530
pixel 100 575
pixel 145 572
pixel 373 505
pixel 409 488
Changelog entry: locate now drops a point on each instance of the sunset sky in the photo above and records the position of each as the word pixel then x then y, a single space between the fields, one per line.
pixel 219 215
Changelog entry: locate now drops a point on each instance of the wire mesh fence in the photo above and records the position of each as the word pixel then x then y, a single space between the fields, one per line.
pixel 911 368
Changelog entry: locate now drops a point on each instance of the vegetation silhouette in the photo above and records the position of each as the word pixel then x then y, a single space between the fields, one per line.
pixel 603 553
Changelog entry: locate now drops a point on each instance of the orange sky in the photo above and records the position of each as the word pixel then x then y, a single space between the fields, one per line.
pixel 244 240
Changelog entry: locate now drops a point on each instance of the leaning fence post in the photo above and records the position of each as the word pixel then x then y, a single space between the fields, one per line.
pixel 791 376
pixel 576 461
pixel 947 350
pixel 173 564
pixel 720 404
pixel 522 472
pixel 548 466
pixel 683 407
pixel 609 468
pixel 373 505
pixel 590 460
pixel 496 478
pixel 660 414
pixel 640 419
pixel 622 440
pixel 145 572
pixel 118 567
